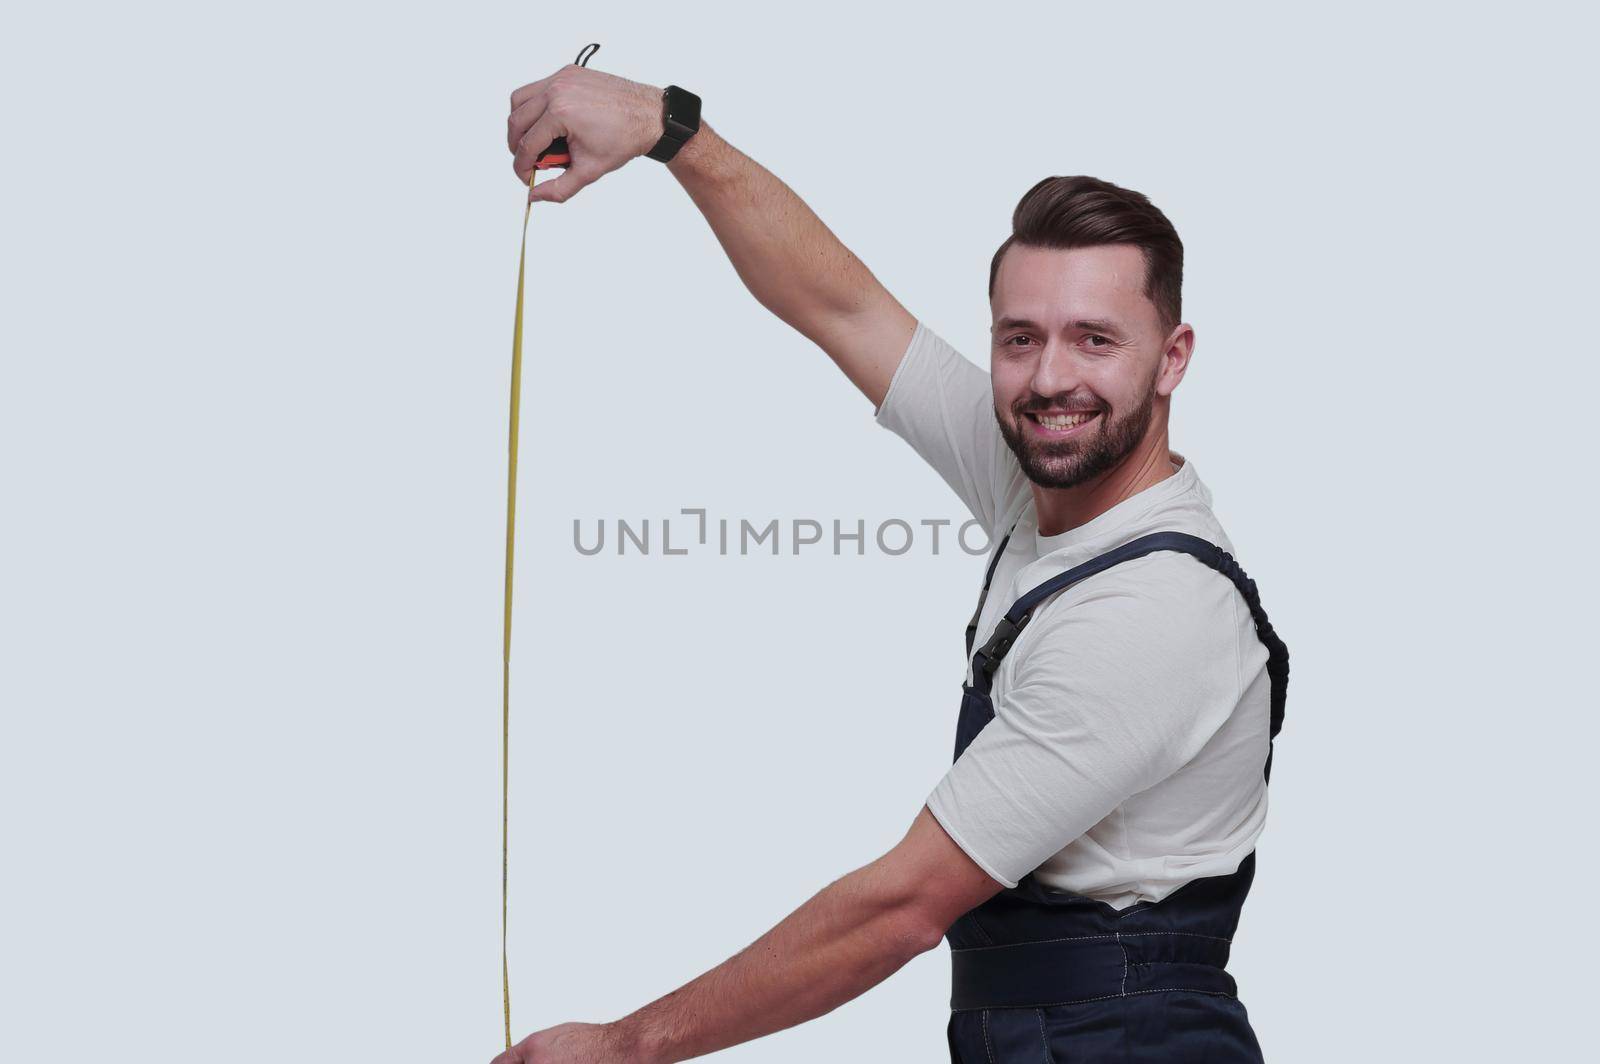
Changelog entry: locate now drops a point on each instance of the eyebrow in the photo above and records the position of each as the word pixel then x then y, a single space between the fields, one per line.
pixel 1099 325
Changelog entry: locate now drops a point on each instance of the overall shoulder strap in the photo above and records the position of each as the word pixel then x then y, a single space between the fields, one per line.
pixel 988 577
pixel 987 659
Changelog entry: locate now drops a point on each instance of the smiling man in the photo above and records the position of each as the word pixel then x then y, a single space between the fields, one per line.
pixel 1088 852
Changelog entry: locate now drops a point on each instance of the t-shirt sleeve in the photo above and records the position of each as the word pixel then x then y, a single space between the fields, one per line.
pixel 1111 693
pixel 943 406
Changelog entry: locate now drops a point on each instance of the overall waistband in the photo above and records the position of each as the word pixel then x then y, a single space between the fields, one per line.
pixel 1087 968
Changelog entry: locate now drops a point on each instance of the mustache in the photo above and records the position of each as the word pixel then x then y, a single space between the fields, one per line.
pixel 1030 406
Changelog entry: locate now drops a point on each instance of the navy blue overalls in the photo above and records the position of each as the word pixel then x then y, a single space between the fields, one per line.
pixel 1053 977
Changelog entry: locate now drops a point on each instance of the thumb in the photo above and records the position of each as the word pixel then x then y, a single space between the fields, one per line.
pixel 560 189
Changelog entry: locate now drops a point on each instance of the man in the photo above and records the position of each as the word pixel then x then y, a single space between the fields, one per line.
pixel 1087 853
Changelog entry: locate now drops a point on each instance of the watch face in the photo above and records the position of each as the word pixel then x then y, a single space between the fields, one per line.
pixel 683 111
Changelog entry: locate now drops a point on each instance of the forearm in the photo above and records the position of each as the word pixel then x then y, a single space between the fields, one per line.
pixel 791 262
pixel 845 940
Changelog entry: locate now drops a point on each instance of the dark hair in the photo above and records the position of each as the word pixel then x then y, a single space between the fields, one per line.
pixel 1085 212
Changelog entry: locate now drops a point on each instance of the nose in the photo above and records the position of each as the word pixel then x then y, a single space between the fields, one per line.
pixel 1057 372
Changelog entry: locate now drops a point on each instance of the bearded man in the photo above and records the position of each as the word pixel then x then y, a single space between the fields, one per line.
pixel 1087 854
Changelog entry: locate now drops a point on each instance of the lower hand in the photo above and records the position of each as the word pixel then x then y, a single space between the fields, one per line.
pixel 570 1043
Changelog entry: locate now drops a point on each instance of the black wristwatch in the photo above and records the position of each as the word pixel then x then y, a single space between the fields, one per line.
pixel 680 120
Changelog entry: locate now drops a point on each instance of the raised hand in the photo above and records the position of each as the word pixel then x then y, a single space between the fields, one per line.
pixel 607 121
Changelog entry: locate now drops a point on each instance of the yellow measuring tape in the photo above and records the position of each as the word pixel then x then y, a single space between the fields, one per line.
pixel 557 154
pixel 505 658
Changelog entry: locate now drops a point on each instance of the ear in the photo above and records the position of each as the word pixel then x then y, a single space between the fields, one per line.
pixel 1175 358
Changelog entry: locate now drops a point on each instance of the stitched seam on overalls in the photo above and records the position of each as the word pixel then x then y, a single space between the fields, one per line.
pixel 987 1048
pixel 1102 997
pixel 1118 935
pixel 1124 950
pixel 1048 1058
pixel 1185 934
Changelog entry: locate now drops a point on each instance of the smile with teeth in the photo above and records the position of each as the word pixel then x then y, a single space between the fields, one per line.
pixel 1061 421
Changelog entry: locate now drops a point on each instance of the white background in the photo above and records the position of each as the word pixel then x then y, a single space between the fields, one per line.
pixel 259 268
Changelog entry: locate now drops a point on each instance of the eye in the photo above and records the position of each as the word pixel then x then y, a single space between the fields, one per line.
pixel 1096 340
pixel 1020 336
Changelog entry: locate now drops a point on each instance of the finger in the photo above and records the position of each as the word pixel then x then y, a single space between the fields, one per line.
pixel 536 140
pixel 562 188
pixel 528 103
pixel 524 115
pixel 532 88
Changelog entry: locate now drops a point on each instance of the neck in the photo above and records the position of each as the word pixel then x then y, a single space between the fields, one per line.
pixel 1063 509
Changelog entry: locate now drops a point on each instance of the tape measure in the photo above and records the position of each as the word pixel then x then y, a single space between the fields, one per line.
pixel 557 154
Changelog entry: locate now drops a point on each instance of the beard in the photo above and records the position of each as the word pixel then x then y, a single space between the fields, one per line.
pixel 1068 463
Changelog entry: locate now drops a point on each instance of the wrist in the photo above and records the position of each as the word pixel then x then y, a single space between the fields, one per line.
pixel 651 122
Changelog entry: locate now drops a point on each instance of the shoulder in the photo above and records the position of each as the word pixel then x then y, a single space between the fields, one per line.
pixel 1143 655
pixel 1163 614
pixel 1163 588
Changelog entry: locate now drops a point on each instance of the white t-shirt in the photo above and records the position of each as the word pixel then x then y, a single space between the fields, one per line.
pixel 1131 716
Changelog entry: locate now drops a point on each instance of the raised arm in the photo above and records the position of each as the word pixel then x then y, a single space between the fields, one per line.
pixel 791 262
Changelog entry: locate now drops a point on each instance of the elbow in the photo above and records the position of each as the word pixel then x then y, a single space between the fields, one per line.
pixel 918 928
pixel 927 936
pixel 907 923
